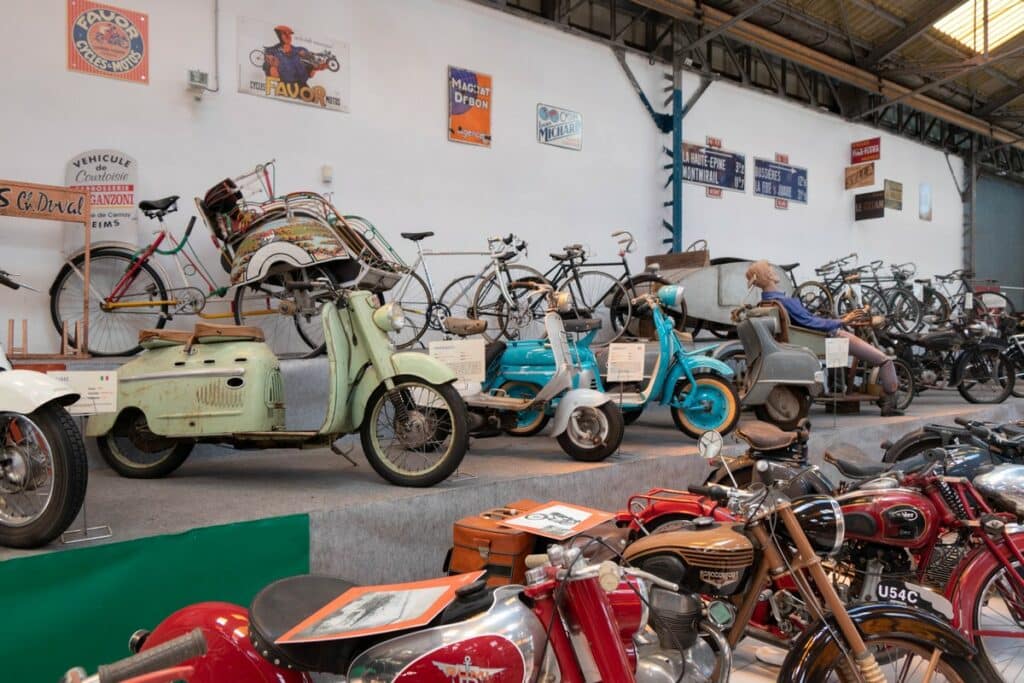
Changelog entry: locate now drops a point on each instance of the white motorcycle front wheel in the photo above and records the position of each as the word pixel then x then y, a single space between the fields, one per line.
pixel 43 475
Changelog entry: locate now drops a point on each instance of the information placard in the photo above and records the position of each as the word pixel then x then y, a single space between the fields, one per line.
pixel 559 521
pixel 98 390
pixel 837 352
pixel 626 362
pixel 464 356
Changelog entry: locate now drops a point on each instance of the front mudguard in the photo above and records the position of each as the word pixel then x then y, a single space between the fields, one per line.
pixel 698 365
pixel 23 391
pixel 570 401
pixel 406 364
pixel 814 653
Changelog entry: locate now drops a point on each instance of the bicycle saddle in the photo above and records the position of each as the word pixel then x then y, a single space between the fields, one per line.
pixel 558 256
pixel 417 236
pixel 159 207
pixel 789 266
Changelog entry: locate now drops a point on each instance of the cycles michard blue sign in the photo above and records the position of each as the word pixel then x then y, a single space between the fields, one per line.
pixel 714 167
pixel 780 181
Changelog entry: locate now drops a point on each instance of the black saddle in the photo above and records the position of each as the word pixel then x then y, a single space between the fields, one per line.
pixel 417 236
pixel 280 606
pixel 870 470
pixel 159 207
pixel 581 325
pixel 789 266
pixel 559 256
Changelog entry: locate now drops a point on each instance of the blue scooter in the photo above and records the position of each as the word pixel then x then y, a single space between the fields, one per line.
pixel 698 389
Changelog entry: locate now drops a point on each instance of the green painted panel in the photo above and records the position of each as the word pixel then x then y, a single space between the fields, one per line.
pixel 78 607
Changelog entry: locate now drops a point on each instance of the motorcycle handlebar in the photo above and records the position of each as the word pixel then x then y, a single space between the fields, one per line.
pixel 163 656
pixel 717 493
pixel 987 434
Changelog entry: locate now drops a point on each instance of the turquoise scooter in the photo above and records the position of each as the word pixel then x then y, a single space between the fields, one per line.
pixel 698 389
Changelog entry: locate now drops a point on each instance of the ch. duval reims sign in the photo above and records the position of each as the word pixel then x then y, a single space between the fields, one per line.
pixel 27 200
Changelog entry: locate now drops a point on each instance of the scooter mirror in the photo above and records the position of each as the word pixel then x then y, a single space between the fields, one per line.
pixel 710 445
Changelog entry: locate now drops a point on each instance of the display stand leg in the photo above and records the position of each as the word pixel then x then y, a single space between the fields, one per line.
pixel 86 532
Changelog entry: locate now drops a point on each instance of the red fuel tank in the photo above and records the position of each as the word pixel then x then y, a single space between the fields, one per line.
pixel 894 517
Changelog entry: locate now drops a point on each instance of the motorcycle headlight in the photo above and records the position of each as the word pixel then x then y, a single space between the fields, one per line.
pixel 389 317
pixel 562 303
pixel 671 296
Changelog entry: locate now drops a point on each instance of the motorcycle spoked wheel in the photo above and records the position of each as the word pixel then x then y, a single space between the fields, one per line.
pixel 907 389
pixel 998 608
pixel 44 451
pixel 718 406
pixel 417 433
pixel 134 452
pixel 593 432
pixel 900 659
pixel 528 422
pixel 985 375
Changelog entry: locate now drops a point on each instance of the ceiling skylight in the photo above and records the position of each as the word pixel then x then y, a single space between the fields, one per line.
pixel 966 24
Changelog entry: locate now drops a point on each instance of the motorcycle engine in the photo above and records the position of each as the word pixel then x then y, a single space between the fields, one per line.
pixel 674 644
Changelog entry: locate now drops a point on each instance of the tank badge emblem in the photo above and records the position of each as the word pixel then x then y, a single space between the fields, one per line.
pixel 466 672
pixel 719 577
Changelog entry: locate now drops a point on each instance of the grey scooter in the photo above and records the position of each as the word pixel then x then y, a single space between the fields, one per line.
pixel 777 380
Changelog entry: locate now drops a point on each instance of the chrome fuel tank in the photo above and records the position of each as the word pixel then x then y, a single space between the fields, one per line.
pixel 1004 485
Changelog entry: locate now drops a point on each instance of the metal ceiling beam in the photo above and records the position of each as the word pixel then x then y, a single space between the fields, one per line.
pixel 922 23
pixel 752 34
pixel 722 28
pixel 1000 99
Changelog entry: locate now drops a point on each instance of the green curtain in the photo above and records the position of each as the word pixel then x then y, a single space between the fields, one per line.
pixel 78 607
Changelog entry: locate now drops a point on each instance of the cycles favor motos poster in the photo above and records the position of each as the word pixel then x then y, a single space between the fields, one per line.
pixel 282 61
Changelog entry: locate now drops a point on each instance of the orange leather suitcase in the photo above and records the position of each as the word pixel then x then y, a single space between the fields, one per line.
pixel 483 542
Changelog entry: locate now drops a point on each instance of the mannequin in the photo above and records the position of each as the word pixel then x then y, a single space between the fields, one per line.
pixel 762 275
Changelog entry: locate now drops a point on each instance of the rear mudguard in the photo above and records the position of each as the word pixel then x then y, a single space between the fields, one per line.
pixel 23 391
pixel 570 401
pixel 812 656
pixel 698 365
pixel 965 588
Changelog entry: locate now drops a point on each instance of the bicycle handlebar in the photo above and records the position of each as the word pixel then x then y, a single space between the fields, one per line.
pixel 8 282
pixel 627 243
pixel 255 171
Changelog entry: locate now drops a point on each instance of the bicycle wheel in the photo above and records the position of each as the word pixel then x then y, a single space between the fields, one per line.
pixel 815 298
pixel 112 331
pixel 642 325
pixel 935 309
pixel 417 304
pixel 287 308
pixel 905 312
pixel 993 305
pixel 523 316
pixel 596 294
pixel 489 304
pixel 457 298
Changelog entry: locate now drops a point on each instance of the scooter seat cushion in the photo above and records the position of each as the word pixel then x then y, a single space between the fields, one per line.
pixel 154 339
pixel 206 333
pixel 465 327
pixel 764 436
pixel 580 325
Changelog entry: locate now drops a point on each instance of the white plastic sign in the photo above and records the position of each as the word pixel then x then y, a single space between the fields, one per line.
pixel 98 390
pixel 968 301
pixel 837 352
pixel 464 356
pixel 626 362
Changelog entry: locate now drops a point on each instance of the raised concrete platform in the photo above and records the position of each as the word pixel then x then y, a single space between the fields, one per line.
pixel 369 530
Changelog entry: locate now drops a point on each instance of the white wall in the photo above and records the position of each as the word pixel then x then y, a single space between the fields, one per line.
pixel 393 162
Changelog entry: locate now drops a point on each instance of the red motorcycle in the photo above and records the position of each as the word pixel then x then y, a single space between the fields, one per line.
pixel 902 532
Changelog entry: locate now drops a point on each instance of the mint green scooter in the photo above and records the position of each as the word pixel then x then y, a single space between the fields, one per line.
pixel 222 384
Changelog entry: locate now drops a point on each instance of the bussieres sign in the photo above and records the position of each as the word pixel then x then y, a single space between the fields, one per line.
pixel 714 167
pixel 866 150
pixel 780 181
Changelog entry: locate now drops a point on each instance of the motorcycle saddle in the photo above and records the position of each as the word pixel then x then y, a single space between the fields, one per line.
pixel 870 470
pixel 764 436
pixel 204 333
pixel 493 351
pixel 581 325
pixel 282 605
pixel 464 327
